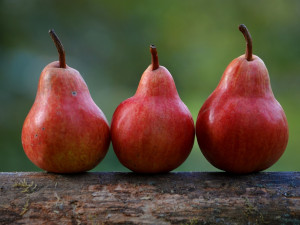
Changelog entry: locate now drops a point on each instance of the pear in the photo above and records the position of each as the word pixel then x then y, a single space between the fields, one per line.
pixel 241 127
pixel 65 131
pixel 153 131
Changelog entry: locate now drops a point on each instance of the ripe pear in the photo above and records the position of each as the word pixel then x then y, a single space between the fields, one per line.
pixel 241 127
pixel 65 131
pixel 153 131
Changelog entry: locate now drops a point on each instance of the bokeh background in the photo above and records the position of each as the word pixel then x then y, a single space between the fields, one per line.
pixel 108 42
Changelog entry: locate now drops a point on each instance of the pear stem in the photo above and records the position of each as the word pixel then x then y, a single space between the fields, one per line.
pixel 248 39
pixel 60 49
pixel 155 63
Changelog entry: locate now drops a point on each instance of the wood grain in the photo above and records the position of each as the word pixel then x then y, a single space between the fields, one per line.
pixel 128 198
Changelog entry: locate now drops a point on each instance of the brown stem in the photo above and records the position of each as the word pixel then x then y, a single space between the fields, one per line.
pixel 248 39
pixel 155 63
pixel 60 49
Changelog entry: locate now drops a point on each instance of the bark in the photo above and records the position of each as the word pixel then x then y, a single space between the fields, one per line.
pixel 128 198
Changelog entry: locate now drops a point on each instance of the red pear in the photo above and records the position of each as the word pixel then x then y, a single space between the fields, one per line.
pixel 153 131
pixel 241 127
pixel 65 131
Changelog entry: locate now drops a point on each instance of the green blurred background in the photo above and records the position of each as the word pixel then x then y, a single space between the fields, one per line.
pixel 108 42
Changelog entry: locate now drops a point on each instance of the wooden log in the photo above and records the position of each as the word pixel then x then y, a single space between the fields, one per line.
pixel 128 198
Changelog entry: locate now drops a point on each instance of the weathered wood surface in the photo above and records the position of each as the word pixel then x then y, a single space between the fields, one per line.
pixel 128 198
